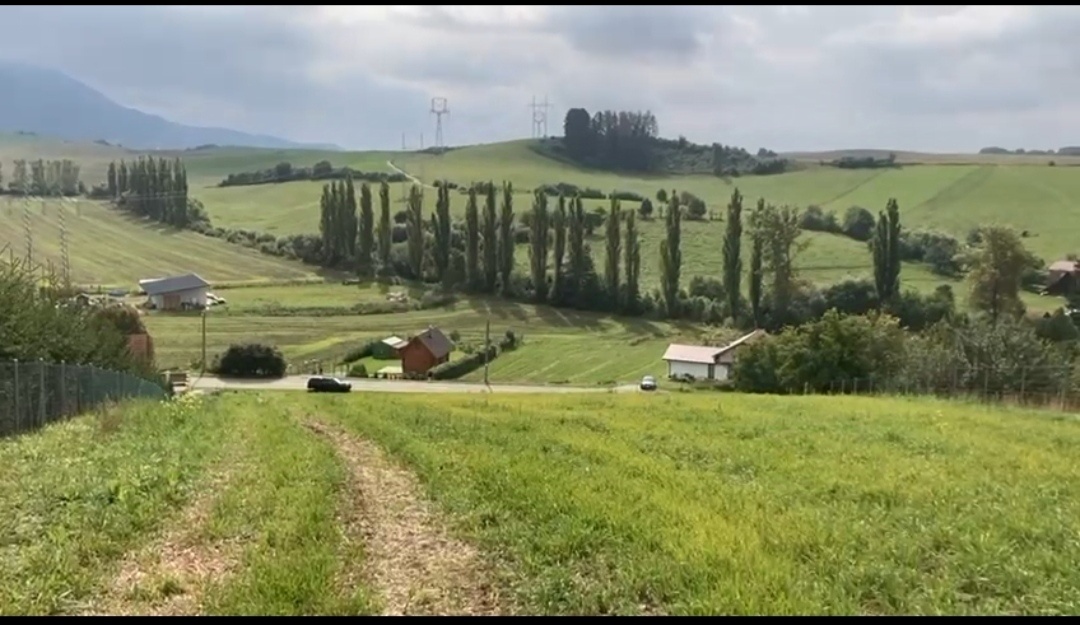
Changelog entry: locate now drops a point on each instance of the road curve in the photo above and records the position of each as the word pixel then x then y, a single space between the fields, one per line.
pixel 368 385
pixel 411 177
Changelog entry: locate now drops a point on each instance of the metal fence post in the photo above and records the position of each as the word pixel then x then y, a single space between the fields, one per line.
pixel 63 389
pixel 41 392
pixel 16 393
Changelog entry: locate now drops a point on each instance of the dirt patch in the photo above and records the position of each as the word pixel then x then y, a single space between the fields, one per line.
pixel 411 561
pixel 167 576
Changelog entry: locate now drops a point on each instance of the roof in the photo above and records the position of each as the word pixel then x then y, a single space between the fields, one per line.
pixel 395 341
pixel 703 354
pixel 435 342
pixel 1068 266
pixel 159 286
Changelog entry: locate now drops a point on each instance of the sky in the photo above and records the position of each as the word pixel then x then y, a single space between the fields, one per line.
pixel 789 78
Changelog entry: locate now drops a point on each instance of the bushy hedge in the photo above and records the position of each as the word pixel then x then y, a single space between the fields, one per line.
pixel 464 366
pixel 250 360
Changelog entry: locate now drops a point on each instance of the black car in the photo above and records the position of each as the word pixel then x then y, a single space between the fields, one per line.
pixel 320 384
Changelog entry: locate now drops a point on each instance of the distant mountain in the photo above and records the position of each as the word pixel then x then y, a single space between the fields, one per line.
pixel 51 103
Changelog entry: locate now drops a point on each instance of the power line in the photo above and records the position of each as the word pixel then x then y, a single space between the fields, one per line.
pixel 539 117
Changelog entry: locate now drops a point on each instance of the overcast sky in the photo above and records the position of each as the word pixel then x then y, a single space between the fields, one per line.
pixel 939 78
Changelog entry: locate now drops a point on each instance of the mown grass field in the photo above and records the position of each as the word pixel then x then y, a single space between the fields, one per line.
pixel 139 509
pixel 559 345
pixel 675 504
pixel 108 248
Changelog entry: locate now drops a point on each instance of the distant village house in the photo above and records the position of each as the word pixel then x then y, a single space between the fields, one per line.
pixel 1062 278
pixel 702 362
pixel 176 293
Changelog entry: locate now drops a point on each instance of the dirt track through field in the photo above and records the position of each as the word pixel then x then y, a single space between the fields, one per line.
pixel 410 560
pixel 168 576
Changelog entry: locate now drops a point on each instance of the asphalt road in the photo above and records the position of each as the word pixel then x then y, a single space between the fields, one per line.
pixel 299 383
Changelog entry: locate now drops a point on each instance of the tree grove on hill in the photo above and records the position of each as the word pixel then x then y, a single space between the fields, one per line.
pixel 41 178
pixel 156 189
pixel 615 139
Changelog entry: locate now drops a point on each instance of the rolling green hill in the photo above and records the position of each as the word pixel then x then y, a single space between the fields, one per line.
pixel 1017 190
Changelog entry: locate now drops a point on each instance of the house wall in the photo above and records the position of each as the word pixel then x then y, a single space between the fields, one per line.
pixel 699 371
pixel 193 297
pixel 416 359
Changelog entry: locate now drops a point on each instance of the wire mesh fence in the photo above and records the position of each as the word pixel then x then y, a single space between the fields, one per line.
pixel 36 393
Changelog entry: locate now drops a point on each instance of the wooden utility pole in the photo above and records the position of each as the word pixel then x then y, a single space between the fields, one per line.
pixel 487 350
pixel 202 368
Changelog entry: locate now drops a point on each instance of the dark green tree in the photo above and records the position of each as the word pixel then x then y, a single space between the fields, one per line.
pixel 490 228
pixel 414 228
pixel 385 237
pixel 506 238
pixel 886 251
pixel 473 277
pixel 440 223
pixel 613 247
pixel 733 254
pixel 558 226
pixel 538 246
pixel 632 263
pixel 577 260
pixel 671 256
pixel 365 244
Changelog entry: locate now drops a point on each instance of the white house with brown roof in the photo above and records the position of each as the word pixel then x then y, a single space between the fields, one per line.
pixel 703 362
pixel 176 292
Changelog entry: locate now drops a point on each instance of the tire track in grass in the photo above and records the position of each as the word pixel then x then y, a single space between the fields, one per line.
pixel 167 577
pixel 411 561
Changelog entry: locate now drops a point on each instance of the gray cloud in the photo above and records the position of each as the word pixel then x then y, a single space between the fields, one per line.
pixel 936 78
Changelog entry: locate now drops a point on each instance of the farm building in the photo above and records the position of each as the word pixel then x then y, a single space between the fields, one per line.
pixel 424 351
pixel 703 362
pixel 1062 278
pixel 177 292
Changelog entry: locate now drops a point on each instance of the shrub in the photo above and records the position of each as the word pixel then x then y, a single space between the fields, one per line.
pixel 463 366
pixel 358 371
pixel 859 223
pixel 250 360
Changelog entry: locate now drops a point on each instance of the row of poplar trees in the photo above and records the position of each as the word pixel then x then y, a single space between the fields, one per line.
pixel 154 188
pixel 774 233
pixel 480 252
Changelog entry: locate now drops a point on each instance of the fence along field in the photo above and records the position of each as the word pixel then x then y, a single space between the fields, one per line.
pixel 34 394
pixel 726 504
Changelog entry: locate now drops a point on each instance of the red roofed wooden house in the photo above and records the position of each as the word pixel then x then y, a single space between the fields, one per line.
pixel 425 351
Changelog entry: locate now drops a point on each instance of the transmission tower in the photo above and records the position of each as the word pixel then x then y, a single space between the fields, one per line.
pixel 28 229
pixel 438 109
pixel 539 118
pixel 65 259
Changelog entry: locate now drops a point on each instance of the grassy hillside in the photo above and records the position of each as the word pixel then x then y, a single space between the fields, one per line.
pixel 252 504
pixel 109 248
